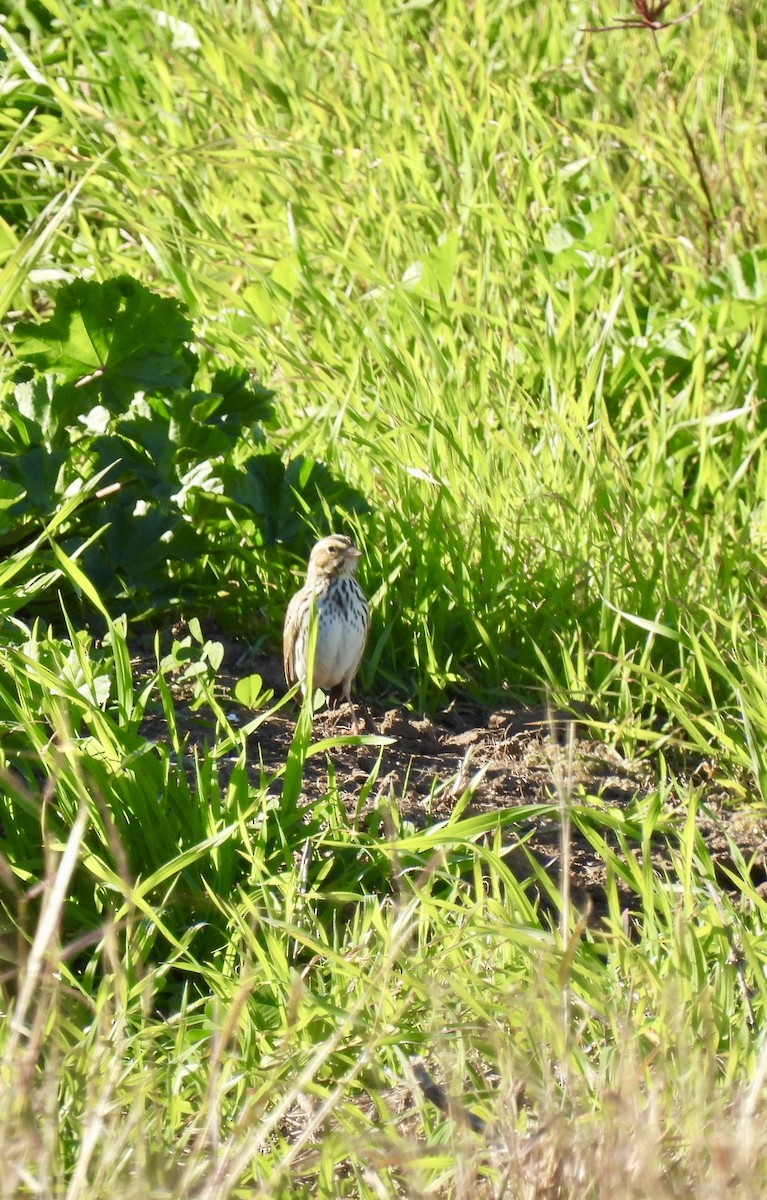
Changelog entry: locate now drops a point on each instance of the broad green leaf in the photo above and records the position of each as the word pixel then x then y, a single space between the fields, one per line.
pixel 242 398
pixel 249 691
pixel 747 275
pixel 269 489
pixel 108 341
pixel 10 493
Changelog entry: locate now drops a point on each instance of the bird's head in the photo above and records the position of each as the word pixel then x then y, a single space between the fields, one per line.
pixel 333 557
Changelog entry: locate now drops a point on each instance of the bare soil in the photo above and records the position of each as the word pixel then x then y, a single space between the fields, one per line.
pixel 510 756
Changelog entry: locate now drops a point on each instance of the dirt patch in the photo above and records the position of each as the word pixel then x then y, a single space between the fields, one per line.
pixel 508 757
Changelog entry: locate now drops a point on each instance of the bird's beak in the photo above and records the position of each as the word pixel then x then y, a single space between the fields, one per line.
pixel 353 552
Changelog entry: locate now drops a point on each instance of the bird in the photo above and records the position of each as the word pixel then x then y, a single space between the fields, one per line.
pixel 343 620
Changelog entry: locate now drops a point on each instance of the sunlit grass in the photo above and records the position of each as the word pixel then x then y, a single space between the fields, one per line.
pixel 219 991
pixel 267 1041
pixel 476 258
pixel 471 250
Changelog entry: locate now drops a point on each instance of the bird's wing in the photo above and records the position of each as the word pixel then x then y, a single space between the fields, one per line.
pixel 289 634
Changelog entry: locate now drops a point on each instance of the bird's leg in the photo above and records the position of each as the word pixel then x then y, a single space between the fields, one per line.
pixel 339 693
pixel 355 719
pixel 335 696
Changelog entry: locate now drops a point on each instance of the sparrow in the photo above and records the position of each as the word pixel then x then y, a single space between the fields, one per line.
pixel 342 621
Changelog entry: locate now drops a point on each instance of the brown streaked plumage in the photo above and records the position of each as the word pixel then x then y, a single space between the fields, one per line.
pixel 342 621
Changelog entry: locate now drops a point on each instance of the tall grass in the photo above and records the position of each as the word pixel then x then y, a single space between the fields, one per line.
pixel 509 278
pixel 474 254
pixel 244 1016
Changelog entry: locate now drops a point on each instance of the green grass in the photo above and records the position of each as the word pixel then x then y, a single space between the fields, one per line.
pixel 237 1016
pixel 477 261
pixel 473 252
